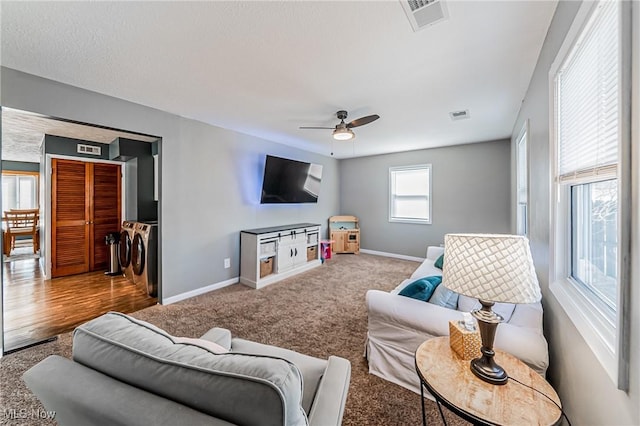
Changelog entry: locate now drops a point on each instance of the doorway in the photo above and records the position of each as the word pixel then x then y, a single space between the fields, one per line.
pixel 41 301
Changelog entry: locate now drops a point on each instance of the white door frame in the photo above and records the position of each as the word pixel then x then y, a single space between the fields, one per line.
pixel 45 261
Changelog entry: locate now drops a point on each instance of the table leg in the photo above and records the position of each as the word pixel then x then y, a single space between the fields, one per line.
pixel 6 243
pixel 424 419
pixel 444 421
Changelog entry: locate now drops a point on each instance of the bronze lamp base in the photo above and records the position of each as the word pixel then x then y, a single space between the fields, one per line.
pixel 485 367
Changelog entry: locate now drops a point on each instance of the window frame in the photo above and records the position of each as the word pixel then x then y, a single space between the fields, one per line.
pixel 35 175
pixel 522 139
pixel 394 219
pixel 606 335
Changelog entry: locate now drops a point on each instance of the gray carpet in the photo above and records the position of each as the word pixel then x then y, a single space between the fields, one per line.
pixel 321 312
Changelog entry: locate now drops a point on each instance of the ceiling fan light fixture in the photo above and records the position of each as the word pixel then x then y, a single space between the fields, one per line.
pixel 343 134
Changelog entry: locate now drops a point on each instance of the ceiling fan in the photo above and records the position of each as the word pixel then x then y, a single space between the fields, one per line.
pixel 342 131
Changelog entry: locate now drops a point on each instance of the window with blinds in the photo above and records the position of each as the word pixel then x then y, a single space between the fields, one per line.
pixel 410 194
pixel 590 100
pixel 587 114
pixel 587 109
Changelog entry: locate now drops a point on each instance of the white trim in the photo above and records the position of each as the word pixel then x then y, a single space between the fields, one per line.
pixel 599 335
pixel 281 275
pixel 198 291
pixel 585 11
pixel 85 159
pixel 522 139
pixel 607 338
pixel 45 261
pixel 393 255
pixel 419 221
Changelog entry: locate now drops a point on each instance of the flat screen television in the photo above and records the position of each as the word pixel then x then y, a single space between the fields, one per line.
pixel 290 181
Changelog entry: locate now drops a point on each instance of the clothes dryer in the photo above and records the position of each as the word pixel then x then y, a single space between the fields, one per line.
pixel 144 257
pixel 124 256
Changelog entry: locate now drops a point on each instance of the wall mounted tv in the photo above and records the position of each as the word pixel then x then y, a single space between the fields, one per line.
pixel 290 181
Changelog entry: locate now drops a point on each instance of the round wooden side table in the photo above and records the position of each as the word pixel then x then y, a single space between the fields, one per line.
pixel 450 380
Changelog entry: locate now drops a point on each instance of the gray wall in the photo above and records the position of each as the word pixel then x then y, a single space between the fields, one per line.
pixel 588 394
pixel 209 177
pixel 20 166
pixel 131 190
pixel 470 193
pixel 67 146
pixel 142 183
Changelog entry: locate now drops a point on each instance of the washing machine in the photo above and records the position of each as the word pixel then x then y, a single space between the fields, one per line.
pixel 144 257
pixel 126 239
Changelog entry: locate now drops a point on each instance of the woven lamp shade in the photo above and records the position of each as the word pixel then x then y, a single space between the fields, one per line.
pixel 496 268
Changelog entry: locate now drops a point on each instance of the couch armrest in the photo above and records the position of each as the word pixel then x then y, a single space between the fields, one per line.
pixel 328 405
pixel 526 344
pixel 79 395
pixel 409 313
pixel 218 335
pixel 434 252
pixel 527 315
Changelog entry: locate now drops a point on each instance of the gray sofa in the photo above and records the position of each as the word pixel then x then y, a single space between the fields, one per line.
pixel 128 372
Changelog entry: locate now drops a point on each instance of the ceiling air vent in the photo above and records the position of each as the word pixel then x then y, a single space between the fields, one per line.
pixel 459 115
pixel 89 149
pixel 422 13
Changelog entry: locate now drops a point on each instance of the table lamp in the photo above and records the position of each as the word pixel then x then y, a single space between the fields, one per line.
pixel 490 268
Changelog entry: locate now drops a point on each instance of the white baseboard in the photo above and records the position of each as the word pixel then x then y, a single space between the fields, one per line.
pixel 396 256
pixel 198 291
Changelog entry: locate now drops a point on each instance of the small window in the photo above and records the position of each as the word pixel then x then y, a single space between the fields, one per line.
pixel 410 194
pixel 522 177
pixel 594 239
pixel 19 190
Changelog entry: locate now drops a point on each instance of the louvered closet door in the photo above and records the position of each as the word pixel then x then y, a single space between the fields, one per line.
pixel 105 211
pixel 85 207
pixel 69 217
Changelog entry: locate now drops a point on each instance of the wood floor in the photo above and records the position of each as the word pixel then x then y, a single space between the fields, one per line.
pixel 35 309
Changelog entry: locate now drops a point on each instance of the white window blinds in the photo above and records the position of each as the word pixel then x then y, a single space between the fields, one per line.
pixel 409 194
pixel 587 100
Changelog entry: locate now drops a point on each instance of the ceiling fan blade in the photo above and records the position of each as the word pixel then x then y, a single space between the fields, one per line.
pixel 328 128
pixel 363 120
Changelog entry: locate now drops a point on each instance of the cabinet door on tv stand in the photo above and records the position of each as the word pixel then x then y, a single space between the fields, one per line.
pixel 299 253
pixel 285 257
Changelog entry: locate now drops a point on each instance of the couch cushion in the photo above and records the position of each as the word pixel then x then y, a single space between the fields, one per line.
pixel 444 297
pixel 439 263
pixel 205 344
pixel 468 304
pixel 422 289
pixel 311 368
pixel 241 389
pixel 426 269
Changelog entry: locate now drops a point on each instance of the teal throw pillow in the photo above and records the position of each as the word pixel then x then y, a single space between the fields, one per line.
pixel 422 289
pixel 439 262
pixel 444 297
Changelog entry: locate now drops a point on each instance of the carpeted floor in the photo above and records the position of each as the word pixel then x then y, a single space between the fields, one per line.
pixel 321 312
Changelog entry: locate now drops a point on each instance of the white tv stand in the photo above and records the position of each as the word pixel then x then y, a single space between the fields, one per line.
pixel 268 255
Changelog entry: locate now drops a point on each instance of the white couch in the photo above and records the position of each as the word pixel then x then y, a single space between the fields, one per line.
pixel 399 324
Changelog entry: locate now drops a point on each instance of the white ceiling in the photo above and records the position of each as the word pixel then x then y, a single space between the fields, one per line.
pixel 265 68
pixel 22 134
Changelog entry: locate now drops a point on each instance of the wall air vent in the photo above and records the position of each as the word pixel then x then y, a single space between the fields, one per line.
pixel 89 149
pixel 459 115
pixel 422 13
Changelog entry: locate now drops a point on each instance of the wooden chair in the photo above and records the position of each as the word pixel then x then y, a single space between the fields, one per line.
pixel 20 223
